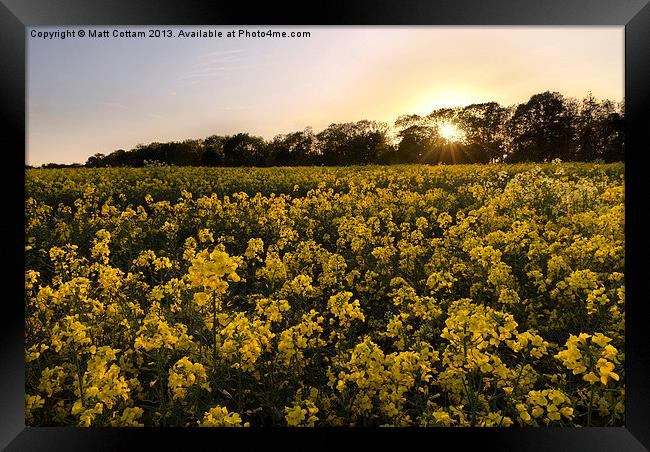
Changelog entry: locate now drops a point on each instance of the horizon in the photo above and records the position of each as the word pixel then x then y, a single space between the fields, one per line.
pixel 174 90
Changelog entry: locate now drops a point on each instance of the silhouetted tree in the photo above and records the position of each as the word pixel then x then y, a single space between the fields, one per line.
pixel 212 154
pixel 545 127
pixel 539 128
pixel 485 131
pixel 599 131
pixel 369 140
pixel 96 160
pixel 297 148
pixel 416 143
pixel 244 150
pixel 353 143
pixel 60 165
pixel 613 136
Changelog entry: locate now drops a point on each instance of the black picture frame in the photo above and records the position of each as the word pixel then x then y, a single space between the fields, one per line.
pixel 17 15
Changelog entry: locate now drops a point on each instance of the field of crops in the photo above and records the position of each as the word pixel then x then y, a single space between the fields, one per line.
pixel 365 296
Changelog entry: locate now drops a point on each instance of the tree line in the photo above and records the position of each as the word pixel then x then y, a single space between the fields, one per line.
pixel 548 126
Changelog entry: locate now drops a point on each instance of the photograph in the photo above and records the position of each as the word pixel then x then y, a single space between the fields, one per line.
pixel 325 226
pixel 393 223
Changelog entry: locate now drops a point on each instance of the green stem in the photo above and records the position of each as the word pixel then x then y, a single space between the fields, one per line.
pixel 80 380
pixel 515 389
pixel 214 328
pixel 591 401
pixel 161 388
pixel 239 398
pixel 469 388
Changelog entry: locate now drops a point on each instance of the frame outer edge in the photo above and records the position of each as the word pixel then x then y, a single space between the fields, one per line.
pixel 637 104
pixel 12 105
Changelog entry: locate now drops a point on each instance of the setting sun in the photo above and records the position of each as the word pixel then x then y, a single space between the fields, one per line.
pixel 450 133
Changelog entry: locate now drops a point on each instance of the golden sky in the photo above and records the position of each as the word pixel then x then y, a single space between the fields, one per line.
pixel 98 95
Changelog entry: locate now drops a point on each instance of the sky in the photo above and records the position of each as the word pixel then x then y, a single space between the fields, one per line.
pixel 89 95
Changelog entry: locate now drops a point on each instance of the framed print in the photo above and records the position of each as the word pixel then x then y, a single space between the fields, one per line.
pixel 376 219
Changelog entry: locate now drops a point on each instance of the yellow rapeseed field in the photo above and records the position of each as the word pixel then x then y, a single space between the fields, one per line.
pixel 363 296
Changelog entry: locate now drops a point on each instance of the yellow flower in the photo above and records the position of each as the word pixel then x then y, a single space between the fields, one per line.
pixel 219 416
pixel 605 369
pixel 184 375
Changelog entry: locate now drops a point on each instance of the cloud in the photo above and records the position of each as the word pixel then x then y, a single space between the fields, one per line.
pixel 114 105
pixel 217 63
pixel 221 52
pixel 236 108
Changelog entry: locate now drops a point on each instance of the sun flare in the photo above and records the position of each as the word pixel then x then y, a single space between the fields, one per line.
pixel 450 133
